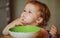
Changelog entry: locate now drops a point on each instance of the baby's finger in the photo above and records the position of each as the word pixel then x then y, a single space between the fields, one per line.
pixel 53 27
pixel 53 30
pixel 52 33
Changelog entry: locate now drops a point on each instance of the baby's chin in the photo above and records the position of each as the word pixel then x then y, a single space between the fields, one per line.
pixel 32 24
pixel 25 22
pixel 28 23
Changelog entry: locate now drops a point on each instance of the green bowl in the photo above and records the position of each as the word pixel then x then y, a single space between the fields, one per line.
pixel 25 29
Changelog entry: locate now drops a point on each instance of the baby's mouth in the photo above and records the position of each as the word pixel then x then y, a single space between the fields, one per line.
pixel 24 23
pixel 22 19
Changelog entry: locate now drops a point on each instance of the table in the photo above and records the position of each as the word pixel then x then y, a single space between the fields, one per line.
pixel 6 37
pixel 11 37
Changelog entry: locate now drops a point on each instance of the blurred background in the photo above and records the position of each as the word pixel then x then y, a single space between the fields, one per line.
pixel 11 9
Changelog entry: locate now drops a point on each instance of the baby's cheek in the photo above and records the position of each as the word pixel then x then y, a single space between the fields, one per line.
pixel 29 20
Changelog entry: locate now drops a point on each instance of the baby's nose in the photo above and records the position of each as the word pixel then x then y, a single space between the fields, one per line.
pixel 24 14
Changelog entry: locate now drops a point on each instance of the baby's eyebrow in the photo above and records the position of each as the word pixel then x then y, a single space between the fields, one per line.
pixel 23 9
pixel 31 10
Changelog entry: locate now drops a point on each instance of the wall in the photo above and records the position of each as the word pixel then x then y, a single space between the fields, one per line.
pixel 4 14
pixel 17 6
pixel 54 6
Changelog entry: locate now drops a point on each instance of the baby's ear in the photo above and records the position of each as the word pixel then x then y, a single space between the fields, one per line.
pixel 39 20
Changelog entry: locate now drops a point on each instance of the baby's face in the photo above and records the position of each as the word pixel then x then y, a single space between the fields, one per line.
pixel 30 13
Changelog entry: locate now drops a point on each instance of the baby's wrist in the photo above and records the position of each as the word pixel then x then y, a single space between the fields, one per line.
pixel 55 36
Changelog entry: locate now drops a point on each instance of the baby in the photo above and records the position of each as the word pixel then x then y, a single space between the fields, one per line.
pixel 34 13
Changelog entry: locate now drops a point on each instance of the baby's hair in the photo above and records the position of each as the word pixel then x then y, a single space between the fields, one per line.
pixel 45 13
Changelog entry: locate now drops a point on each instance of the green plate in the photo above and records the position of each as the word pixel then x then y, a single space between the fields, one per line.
pixel 25 29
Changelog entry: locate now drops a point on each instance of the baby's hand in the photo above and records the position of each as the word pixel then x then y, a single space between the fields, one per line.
pixel 53 31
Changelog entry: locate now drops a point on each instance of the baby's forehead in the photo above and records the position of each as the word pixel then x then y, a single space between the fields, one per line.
pixel 38 6
pixel 33 5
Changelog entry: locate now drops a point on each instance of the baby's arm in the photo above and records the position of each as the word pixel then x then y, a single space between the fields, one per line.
pixel 42 34
pixel 12 24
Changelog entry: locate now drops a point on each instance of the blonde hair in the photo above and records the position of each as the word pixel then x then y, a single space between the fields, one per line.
pixel 44 9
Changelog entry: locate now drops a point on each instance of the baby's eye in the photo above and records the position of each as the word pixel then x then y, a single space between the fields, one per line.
pixel 24 10
pixel 30 12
